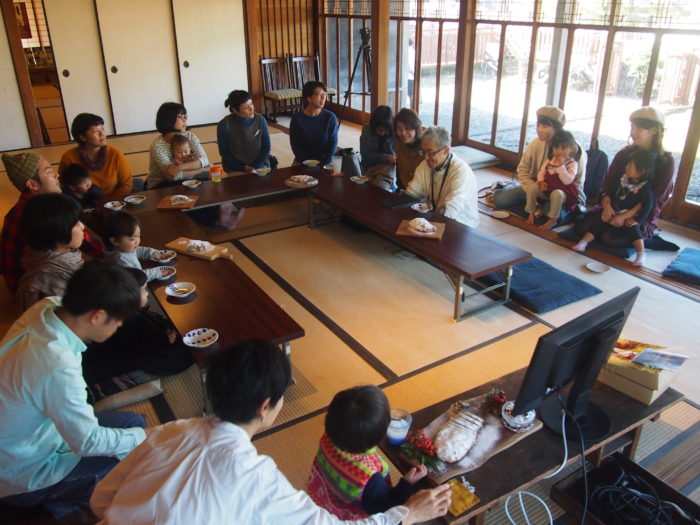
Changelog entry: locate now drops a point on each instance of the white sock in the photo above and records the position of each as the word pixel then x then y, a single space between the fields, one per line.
pixel 639 259
pixel 580 246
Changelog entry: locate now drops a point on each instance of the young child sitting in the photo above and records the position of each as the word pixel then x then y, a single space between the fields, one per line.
pixel 122 239
pixel 348 477
pixel 556 176
pixel 625 205
pixel 77 184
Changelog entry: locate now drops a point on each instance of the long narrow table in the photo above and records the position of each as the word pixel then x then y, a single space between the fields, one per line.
pixel 537 455
pixel 464 252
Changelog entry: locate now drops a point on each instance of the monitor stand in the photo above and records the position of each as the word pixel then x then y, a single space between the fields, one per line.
pixel 595 424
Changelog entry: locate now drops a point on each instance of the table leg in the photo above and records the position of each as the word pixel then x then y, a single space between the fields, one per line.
pixel 287 347
pixel 311 213
pixel 459 283
pixel 509 277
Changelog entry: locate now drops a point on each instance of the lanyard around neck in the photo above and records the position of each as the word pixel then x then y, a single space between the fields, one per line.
pixel 433 200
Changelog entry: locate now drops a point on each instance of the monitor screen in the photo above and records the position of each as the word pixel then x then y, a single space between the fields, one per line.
pixel 574 353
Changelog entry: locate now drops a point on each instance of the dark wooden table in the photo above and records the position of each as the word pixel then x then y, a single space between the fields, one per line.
pixel 463 251
pixel 536 456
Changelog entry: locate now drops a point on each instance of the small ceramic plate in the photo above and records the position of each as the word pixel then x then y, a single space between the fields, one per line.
pixel 200 337
pixel 181 289
pixel 262 171
pixel 135 199
pixel 597 267
pixel 115 205
pixel 311 163
pixel 165 256
pixel 359 179
pixel 422 207
pixel 192 183
pixel 166 272
pixel 500 214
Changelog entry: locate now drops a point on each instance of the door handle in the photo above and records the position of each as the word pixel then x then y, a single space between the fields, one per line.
pixel 114 69
pixel 65 73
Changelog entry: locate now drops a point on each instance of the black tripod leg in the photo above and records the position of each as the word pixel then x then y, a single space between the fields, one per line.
pixel 352 79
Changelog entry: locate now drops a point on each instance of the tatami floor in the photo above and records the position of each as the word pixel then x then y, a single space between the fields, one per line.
pixel 373 317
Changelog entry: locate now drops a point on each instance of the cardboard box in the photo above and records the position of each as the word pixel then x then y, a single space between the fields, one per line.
pixel 648 377
pixel 631 388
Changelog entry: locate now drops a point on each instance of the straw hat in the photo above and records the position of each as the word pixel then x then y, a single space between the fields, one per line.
pixel 21 167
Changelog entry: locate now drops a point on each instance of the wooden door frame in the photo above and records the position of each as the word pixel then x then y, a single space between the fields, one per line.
pixel 22 73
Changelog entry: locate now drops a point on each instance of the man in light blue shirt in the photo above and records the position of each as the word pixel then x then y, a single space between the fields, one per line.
pixel 53 449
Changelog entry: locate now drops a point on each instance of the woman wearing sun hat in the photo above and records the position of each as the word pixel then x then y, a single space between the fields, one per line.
pixel 646 133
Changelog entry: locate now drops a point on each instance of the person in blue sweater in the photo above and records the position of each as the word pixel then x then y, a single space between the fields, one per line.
pixel 313 133
pixel 242 136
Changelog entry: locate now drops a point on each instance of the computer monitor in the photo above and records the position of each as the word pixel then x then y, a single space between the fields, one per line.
pixel 574 352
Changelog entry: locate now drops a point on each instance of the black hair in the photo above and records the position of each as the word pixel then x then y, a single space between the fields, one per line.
pixel 118 224
pixel 546 121
pixel 644 161
pixel 104 286
pixel 565 139
pixel 82 123
pixel 236 98
pixel 74 174
pixel 357 418
pixel 410 119
pixel 139 275
pixel 382 118
pixel 178 140
pixel 241 377
pixel 309 89
pixel 48 220
pixel 167 115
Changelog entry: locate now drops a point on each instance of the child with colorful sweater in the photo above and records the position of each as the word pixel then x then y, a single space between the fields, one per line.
pixel 349 477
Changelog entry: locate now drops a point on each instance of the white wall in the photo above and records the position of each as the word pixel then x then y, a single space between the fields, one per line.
pixel 13 131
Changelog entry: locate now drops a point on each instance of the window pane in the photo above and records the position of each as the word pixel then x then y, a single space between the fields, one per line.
pixel 428 65
pixel 544 74
pixel 360 82
pixel 408 63
pixel 403 8
pixel 587 56
pixel 681 14
pixel 505 10
pixel 513 87
pixel 484 82
pixel 627 75
pixel 332 56
pixel 693 194
pixel 448 61
pixel 347 7
pixel 441 9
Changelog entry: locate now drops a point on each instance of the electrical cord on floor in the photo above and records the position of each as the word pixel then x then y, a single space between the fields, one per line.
pixel 583 459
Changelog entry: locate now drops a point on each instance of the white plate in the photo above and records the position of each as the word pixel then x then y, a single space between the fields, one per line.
pixel 200 337
pixel 500 214
pixel 181 289
pixel 170 256
pixel 359 179
pixel 115 205
pixel 597 267
pixel 422 207
pixel 170 272
pixel 311 163
pixel 262 171
pixel 135 199
pixel 306 182
pixel 192 183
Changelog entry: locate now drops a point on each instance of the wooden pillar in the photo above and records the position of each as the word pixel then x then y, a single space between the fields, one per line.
pixel 380 54
pixel 254 44
pixel 463 72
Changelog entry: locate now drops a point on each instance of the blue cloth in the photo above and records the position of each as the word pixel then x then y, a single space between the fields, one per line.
pixel 229 161
pixel 46 424
pixel 540 287
pixel 686 267
pixel 314 138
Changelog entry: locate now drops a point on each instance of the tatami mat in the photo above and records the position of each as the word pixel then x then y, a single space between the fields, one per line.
pixel 400 310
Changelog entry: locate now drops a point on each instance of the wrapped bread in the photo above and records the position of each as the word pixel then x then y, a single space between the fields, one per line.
pixel 198 246
pixel 300 179
pixel 421 225
pixel 179 199
pixel 454 440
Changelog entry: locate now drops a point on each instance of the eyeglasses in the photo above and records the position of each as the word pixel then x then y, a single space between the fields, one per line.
pixel 428 153
pixel 183 117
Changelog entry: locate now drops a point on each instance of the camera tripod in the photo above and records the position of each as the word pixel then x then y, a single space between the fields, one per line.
pixel 364 52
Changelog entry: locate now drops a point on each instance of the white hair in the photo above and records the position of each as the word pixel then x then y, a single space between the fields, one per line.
pixel 438 136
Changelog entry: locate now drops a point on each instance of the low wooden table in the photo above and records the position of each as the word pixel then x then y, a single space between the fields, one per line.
pixel 530 460
pixel 464 252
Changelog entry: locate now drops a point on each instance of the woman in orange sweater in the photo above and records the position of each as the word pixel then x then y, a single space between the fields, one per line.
pixel 107 165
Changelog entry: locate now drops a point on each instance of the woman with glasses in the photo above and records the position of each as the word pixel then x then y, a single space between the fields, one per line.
pixel 163 170
pixel 444 180
pixel 313 132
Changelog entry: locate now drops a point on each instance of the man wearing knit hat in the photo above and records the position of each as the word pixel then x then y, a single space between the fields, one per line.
pixel 31 174
pixel 550 119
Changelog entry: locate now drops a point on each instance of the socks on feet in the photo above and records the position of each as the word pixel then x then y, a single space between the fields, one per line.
pixel 639 259
pixel 580 246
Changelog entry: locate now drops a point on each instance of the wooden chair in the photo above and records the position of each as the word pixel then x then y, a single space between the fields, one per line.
pixel 304 69
pixel 277 87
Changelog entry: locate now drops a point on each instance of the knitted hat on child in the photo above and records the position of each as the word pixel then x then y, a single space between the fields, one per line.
pixel 21 167
pixel 648 113
pixel 553 114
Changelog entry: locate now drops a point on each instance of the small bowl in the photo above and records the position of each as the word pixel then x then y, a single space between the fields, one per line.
pixel 521 423
pixel 135 199
pixel 200 337
pixel 500 214
pixel 422 207
pixel 115 205
pixel 168 255
pixel 311 163
pixel 166 272
pixel 181 289
pixel 359 179
pixel 262 171
pixel 192 183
